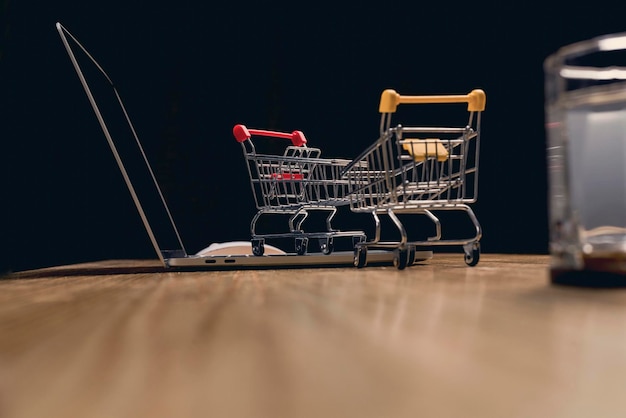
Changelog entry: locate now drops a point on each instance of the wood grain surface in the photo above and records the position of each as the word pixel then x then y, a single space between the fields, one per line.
pixel 439 339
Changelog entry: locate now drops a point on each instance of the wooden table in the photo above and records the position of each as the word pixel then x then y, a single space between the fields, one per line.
pixel 439 339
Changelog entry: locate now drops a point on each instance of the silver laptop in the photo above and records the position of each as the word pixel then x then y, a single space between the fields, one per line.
pixel 150 201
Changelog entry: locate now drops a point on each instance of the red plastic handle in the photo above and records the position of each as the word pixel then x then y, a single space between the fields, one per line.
pixel 242 133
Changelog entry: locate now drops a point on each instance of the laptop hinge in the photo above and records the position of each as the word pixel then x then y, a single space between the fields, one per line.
pixel 167 254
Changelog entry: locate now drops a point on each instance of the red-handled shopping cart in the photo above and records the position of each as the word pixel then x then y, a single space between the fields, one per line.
pixel 295 183
pixel 418 170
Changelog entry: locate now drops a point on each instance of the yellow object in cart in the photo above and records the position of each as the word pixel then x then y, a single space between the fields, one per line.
pixel 423 149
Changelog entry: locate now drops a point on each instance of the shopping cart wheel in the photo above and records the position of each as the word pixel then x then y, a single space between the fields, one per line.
pixel 401 258
pixel 301 245
pixel 357 239
pixel 472 254
pixel 258 247
pixel 412 252
pixel 360 257
pixel 326 245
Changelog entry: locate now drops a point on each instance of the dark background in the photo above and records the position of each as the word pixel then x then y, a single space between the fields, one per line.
pixel 189 71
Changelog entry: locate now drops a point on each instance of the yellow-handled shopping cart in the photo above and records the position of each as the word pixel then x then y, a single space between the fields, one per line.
pixel 418 170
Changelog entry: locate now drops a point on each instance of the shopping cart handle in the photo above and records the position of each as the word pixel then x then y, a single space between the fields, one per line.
pixel 390 100
pixel 242 133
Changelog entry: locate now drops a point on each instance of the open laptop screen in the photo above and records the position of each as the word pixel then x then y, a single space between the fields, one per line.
pixel 127 149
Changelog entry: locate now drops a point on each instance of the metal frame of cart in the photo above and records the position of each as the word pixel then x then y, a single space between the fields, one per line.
pixel 295 183
pixel 418 170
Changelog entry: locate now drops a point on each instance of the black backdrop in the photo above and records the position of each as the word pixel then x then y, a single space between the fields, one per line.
pixel 189 71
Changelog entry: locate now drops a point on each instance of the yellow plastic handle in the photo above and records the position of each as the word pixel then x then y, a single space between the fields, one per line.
pixel 390 100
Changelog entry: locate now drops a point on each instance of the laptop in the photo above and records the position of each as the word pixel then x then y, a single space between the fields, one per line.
pixel 150 202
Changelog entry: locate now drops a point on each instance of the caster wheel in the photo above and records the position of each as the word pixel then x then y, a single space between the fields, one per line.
pixel 412 252
pixel 472 255
pixel 357 239
pixel 360 257
pixel 258 247
pixel 326 245
pixel 401 259
pixel 301 245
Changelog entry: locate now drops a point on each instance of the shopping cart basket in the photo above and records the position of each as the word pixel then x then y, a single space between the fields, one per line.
pixel 418 170
pixel 293 184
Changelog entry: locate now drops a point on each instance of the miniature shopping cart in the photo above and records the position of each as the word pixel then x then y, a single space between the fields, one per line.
pixel 418 170
pixel 295 183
